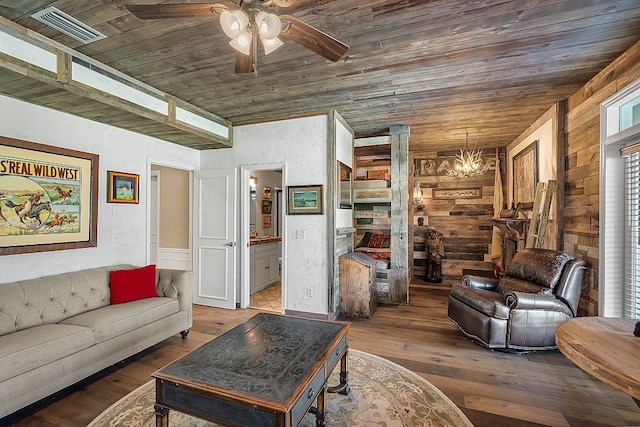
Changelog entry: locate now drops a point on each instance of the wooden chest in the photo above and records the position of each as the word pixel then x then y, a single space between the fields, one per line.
pixel 357 285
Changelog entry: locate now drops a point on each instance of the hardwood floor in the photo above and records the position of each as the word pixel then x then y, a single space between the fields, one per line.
pixel 492 388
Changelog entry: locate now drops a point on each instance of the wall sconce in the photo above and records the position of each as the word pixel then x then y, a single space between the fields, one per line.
pixel 253 183
pixel 417 193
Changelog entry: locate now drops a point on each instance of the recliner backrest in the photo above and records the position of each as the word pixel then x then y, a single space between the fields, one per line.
pixel 540 266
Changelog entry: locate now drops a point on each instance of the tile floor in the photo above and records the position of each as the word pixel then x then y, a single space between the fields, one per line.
pixel 269 298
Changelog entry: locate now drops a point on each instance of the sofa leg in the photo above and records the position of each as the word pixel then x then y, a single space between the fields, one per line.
pixel 184 334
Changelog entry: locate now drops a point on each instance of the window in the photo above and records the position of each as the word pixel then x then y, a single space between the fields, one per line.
pixel 619 253
pixel 631 297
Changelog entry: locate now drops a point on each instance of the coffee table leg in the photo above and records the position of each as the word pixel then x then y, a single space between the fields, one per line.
pixel 162 415
pixel 343 387
pixel 320 410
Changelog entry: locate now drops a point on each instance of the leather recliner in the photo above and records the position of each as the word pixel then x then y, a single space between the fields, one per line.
pixel 521 310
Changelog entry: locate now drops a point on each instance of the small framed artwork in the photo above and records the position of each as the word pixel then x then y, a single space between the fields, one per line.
pixel 266 221
pixel 266 192
pixel 304 200
pixel 123 187
pixel 266 207
pixel 345 194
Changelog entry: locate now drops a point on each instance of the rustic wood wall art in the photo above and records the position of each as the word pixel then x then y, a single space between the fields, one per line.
pixel 48 197
pixel 457 193
pixel 525 174
pixel 123 187
pixel 345 187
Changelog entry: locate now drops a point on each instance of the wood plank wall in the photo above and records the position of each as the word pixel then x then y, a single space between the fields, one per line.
pixel 465 223
pixel 582 173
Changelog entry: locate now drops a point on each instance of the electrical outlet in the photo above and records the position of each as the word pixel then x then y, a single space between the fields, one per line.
pixel 299 234
pixel 309 292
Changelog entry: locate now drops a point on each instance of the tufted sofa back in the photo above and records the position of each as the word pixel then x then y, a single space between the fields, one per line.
pixel 51 299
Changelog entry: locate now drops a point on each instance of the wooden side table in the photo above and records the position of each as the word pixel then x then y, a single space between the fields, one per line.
pixel 605 348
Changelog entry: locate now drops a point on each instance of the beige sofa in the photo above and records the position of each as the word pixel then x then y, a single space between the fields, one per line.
pixel 59 329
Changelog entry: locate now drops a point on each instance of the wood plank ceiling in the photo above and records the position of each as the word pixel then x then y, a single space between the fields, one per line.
pixel 443 67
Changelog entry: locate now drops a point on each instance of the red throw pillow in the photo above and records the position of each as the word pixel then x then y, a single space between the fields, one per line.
pixel 131 285
pixel 376 240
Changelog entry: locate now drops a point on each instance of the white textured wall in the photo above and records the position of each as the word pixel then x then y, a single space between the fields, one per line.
pixel 119 150
pixel 301 144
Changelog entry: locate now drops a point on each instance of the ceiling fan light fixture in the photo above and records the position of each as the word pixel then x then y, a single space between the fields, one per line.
pixel 233 22
pixel 242 42
pixel 270 45
pixel 268 24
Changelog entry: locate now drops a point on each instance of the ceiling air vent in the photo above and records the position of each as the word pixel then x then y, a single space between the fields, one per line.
pixel 67 24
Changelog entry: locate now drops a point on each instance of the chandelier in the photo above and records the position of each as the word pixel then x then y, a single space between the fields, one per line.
pixel 244 25
pixel 468 163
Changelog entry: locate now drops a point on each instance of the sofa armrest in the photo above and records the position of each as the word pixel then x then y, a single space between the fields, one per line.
pixel 177 284
pixel 480 282
pixel 527 301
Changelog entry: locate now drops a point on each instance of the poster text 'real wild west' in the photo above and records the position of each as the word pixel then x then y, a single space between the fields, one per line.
pixel 14 167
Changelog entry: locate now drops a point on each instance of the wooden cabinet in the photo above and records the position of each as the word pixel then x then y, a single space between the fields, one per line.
pixel 265 265
pixel 357 285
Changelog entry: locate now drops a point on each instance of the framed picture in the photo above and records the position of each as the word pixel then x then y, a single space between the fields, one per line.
pixel 345 193
pixel 266 221
pixel 123 187
pixel 457 193
pixel 304 200
pixel 266 207
pixel 48 197
pixel 525 174
pixel 266 192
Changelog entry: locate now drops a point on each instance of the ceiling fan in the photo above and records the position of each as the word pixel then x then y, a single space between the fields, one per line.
pixel 247 24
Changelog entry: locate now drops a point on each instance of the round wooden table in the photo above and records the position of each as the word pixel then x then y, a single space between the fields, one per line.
pixel 605 348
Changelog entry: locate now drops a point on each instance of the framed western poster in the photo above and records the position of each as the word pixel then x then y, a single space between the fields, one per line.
pixel 48 197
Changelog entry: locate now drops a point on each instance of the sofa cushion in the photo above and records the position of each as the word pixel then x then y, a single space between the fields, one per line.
pixel 113 320
pixel 51 299
pixel 488 302
pixel 31 348
pixel 133 284
pixel 541 266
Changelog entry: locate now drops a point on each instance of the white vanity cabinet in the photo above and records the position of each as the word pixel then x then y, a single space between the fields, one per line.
pixel 265 265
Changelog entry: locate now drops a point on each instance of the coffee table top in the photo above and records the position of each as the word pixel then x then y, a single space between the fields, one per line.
pixel 605 348
pixel 267 357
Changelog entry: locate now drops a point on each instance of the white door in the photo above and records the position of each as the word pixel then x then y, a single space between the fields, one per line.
pixel 214 238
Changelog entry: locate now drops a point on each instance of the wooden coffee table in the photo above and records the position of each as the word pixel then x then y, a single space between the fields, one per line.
pixel 266 372
pixel 605 348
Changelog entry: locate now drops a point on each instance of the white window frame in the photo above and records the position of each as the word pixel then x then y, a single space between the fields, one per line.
pixel 612 192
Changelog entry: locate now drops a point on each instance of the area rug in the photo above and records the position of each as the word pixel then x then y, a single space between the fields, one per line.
pixel 382 394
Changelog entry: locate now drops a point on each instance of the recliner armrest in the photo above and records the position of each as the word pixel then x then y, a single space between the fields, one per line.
pixel 480 282
pixel 528 301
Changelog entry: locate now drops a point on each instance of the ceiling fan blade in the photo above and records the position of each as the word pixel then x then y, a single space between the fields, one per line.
pixel 182 10
pixel 314 40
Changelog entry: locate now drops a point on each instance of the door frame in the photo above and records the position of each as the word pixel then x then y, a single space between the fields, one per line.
pixel 154 195
pixel 175 165
pixel 244 252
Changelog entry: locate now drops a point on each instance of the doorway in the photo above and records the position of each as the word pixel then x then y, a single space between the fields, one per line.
pixel 265 227
pixel 169 222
